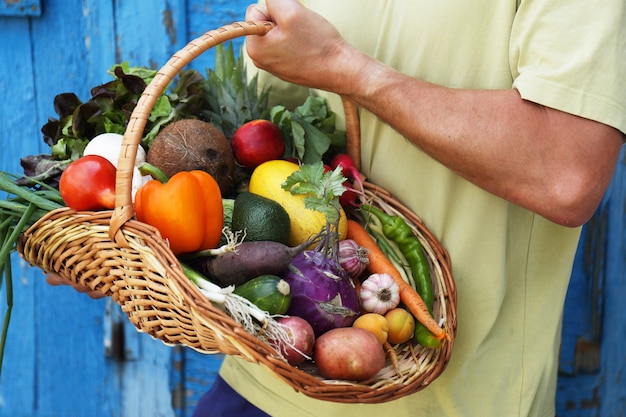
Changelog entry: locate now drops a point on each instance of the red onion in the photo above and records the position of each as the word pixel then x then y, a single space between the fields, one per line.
pixel 353 257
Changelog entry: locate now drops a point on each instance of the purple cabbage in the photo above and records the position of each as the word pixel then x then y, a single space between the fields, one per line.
pixel 321 292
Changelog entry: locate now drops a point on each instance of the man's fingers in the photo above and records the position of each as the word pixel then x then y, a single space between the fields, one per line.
pixel 55 280
pixel 257 12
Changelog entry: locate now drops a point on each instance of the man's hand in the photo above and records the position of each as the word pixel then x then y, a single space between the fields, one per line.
pixel 304 48
pixel 55 279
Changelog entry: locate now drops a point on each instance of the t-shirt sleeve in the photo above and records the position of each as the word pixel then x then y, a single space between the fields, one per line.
pixel 571 55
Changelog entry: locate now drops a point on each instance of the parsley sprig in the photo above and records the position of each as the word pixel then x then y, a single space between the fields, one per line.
pixel 322 190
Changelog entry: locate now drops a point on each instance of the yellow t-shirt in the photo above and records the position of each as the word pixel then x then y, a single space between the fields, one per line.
pixel 511 266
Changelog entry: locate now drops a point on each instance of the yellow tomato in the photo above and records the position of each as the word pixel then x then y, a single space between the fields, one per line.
pixel 401 325
pixel 375 323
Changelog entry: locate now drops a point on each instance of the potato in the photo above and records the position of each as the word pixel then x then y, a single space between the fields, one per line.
pixel 348 353
pixel 189 144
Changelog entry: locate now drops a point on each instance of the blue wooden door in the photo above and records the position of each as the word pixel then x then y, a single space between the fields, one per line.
pixel 593 353
pixel 68 355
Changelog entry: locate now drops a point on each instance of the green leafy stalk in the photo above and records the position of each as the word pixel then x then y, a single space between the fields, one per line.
pixel 44 202
pixel 309 131
pixel 8 246
pixel 10 239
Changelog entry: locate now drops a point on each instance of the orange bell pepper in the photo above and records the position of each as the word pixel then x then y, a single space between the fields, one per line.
pixel 187 210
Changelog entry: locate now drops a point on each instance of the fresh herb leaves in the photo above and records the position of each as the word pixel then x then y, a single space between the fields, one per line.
pixel 309 131
pixel 320 187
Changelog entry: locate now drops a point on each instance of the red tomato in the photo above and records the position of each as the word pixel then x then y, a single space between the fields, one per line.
pixel 88 184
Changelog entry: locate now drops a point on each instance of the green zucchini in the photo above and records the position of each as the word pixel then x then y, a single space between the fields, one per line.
pixel 268 292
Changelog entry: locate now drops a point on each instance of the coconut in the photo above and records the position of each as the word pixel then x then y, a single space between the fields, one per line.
pixel 192 144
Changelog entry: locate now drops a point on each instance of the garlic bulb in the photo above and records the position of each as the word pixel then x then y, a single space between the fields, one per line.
pixel 379 293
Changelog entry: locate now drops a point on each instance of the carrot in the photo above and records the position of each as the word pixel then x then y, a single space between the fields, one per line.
pixel 393 356
pixel 379 263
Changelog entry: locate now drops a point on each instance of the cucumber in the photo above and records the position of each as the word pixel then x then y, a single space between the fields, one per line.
pixel 268 292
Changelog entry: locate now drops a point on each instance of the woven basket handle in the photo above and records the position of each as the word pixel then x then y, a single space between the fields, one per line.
pixel 124 209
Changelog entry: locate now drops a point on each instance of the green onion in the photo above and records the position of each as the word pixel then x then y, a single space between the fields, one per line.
pixel 21 207
pixel 42 201
pixel 6 270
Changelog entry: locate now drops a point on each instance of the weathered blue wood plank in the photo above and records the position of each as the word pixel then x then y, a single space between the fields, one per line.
pixel 70 365
pixel 584 298
pixel 577 397
pixel 613 388
pixel 98 35
pixel 200 371
pixel 594 335
pixel 16 128
pixel 580 362
pixel 59 54
pixel 203 15
pixel 20 8
pixel 145 383
pixel 148 36
pixel 19 119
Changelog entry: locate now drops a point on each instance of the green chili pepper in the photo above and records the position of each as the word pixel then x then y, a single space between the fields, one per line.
pixel 396 229
pixel 424 337
pixel 394 254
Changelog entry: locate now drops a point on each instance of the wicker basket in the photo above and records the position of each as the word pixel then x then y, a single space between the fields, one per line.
pixel 114 253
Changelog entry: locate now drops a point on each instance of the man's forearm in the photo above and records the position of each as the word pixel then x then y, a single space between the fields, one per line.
pixel 551 162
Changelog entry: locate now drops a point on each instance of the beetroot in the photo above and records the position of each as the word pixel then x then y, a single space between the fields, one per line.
pixel 353 183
